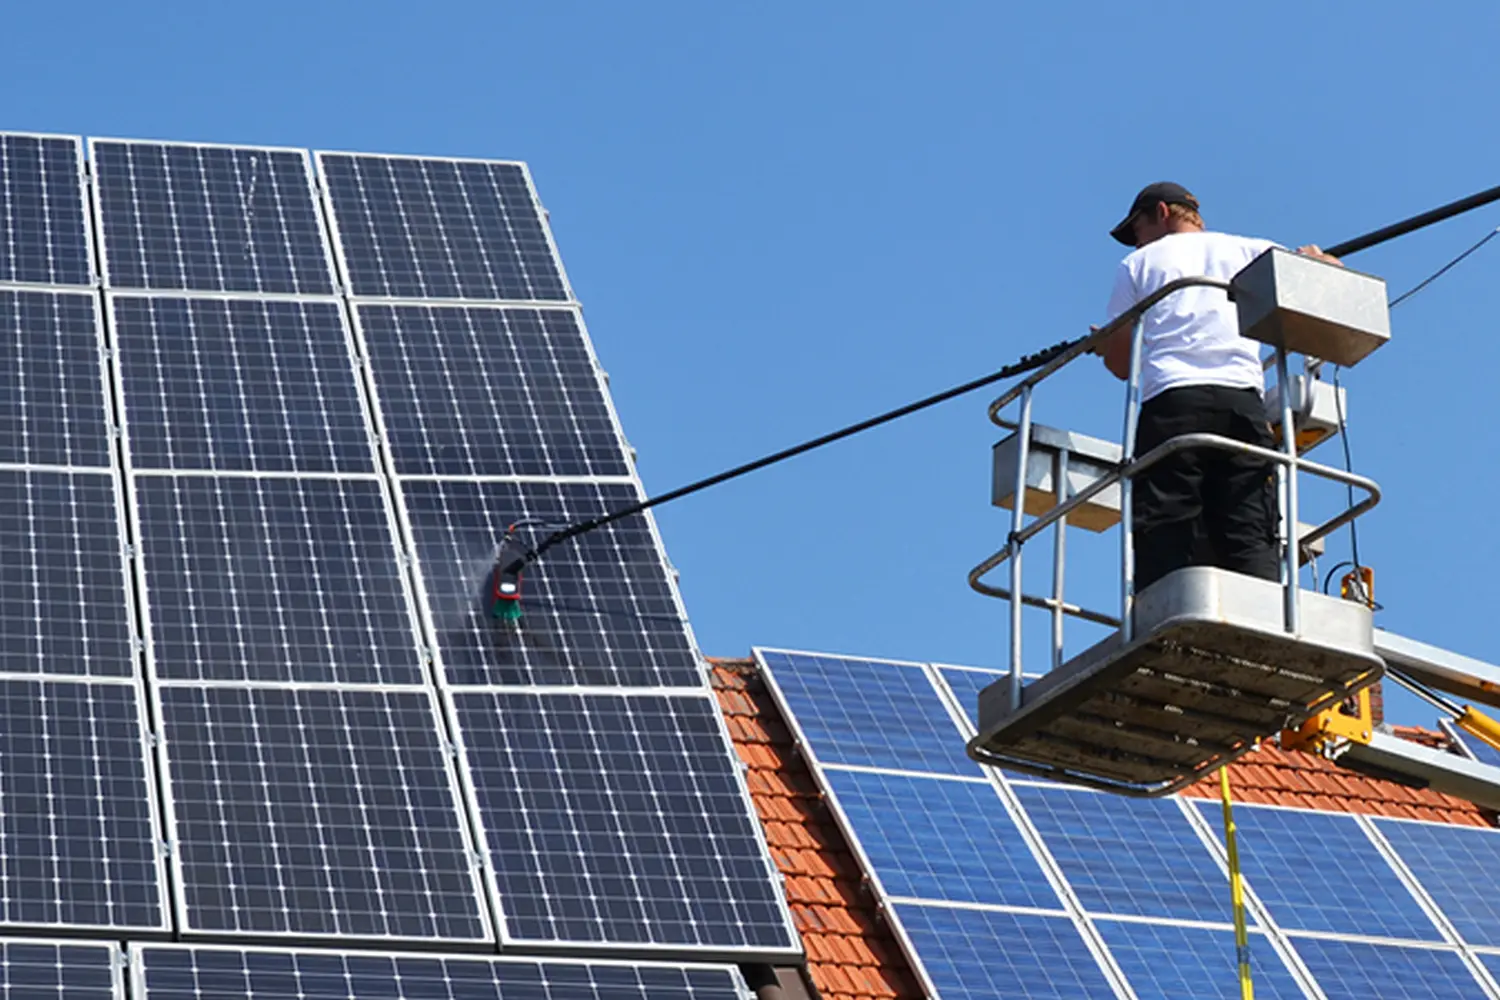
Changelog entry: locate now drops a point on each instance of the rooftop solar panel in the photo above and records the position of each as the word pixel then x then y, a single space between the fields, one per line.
pixel 209 218
pixel 176 973
pixel 63 605
pixel 47 970
pixel 78 837
pixel 440 229
pixel 52 409
pixel 1446 860
pixel 489 392
pixel 941 839
pixel 316 812
pixel 44 238
pixel 1138 857
pixel 1329 853
pixel 966 684
pixel 1472 745
pixel 984 954
pixel 240 385
pixel 618 818
pixel 598 610
pixel 274 579
pixel 1356 970
pixel 875 713
pixel 1172 962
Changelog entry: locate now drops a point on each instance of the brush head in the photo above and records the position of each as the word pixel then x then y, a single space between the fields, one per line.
pixel 505 580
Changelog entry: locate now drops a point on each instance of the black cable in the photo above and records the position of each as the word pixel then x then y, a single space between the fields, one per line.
pixel 1443 270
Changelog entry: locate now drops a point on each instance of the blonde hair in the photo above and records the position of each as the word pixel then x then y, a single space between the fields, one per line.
pixel 1183 213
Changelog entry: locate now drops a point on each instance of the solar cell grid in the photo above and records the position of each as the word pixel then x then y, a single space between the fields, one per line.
pixel 209 218
pixel 78 843
pixel 40 970
pixel 966 685
pixel 43 238
pixel 63 606
pixel 619 819
pixel 598 610
pixel 169 973
pixel 240 384
pixel 489 392
pixel 1173 962
pixel 1300 865
pixel 1354 970
pixel 931 838
pixel 440 229
pixel 1138 857
pixel 869 712
pixel 1477 748
pixel 274 580
pixel 316 812
pixel 1446 860
pixel 52 409
pixel 984 954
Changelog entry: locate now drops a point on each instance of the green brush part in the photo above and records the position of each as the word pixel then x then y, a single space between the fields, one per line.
pixel 507 611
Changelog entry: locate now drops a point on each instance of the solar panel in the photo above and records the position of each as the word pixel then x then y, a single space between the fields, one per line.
pixel 209 218
pixel 966 684
pixel 272 579
pixel 1357 970
pixel 316 812
pixel 240 384
pixel 63 606
pixel 1446 860
pixel 177 973
pixel 52 408
pixel 876 713
pixel 1328 853
pixel 1138 857
pixel 940 839
pixel 617 818
pixel 984 954
pixel 1473 746
pixel 440 229
pixel 48 970
pixel 599 610
pixel 1173 961
pixel 78 837
pixel 489 392
pixel 44 239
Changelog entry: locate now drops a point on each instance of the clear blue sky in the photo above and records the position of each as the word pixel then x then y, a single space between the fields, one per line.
pixel 782 217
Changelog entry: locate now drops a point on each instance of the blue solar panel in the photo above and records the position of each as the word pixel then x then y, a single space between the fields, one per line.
pixel 43 238
pixel 1328 853
pixel 240 385
pixel 1477 748
pixel 63 605
pixel 209 218
pixel 42 970
pixel 985 954
pixel 78 844
pixel 316 812
pixel 1173 962
pixel 51 385
pixel 440 229
pixel 489 392
pixel 1446 861
pixel 1139 857
pixel 966 685
pixel 618 818
pixel 1353 970
pixel 174 973
pixel 933 838
pixel 869 712
pixel 598 610
pixel 274 580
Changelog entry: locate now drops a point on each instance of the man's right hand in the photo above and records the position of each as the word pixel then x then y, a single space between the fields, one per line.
pixel 1316 253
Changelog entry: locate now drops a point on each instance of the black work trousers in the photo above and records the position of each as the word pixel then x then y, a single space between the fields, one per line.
pixel 1205 506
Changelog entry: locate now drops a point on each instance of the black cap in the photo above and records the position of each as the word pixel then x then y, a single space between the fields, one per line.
pixel 1160 193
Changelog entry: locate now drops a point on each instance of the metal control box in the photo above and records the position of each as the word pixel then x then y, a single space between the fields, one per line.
pixel 1311 307
pixel 1088 459
pixel 1316 410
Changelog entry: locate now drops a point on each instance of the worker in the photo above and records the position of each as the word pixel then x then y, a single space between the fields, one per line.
pixel 1202 506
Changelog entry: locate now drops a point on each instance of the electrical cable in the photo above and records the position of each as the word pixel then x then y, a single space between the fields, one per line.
pixel 1442 270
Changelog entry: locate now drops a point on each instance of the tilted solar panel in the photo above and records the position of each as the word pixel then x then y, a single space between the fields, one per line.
pixel 209 218
pixel 52 405
pixel 1174 962
pixel 175 973
pixel 1446 860
pixel 1358 970
pixel 60 970
pixel 44 237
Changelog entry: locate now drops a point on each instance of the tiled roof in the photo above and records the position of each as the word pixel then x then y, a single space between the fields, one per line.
pixel 851 953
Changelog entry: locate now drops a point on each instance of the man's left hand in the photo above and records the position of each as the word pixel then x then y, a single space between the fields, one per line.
pixel 1316 253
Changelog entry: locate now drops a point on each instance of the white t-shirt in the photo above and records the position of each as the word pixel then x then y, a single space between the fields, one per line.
pixel 1192 337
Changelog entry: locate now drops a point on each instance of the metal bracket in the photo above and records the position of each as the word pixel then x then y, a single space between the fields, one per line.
pixel 1324 731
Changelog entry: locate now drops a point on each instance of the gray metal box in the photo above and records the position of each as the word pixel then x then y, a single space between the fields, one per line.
pixel 1311 307
pixel 1316 406
pixel 1088 459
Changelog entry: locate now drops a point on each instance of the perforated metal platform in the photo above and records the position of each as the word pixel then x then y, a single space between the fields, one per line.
pixel 1209 672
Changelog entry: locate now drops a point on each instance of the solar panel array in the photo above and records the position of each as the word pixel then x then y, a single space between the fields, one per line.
pixel 1002 885
pixel 264 417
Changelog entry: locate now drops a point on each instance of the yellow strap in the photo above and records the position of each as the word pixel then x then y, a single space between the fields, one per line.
pixel 1236 891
